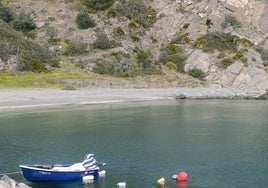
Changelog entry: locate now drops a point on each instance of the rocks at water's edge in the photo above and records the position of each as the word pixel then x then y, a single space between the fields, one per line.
pixel 264 96
pixel 7 182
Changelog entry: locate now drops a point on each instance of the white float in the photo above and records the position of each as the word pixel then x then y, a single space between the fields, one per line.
pixel 88 179
pixel 121 185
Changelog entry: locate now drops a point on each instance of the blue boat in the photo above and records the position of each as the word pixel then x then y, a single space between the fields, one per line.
pixel 62 173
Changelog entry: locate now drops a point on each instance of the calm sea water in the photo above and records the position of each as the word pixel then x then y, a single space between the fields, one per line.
pixel 218 143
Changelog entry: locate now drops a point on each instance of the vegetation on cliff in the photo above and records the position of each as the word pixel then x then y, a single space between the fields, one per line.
pixel 113 37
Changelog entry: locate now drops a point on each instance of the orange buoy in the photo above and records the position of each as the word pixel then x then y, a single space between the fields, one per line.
pixel 182 176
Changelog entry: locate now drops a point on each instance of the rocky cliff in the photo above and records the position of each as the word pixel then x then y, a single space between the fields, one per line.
pixel 246 19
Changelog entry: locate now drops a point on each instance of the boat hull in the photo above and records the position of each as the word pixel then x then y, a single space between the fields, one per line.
pixel 35 174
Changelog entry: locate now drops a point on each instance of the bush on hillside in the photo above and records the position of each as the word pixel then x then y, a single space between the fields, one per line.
pixel 175 54
pixel 23 23
pixel 171 66
pixel 263 52
pixel 197 73
pixel 118 31
pixel 103 42
pixel 226 62
pixel 14 43
pixel 6 13
pixel 145 60
pixel 97 5
pixel 181 38
pixel 217 41
pixel 75 48
pixel 119 65
pixel 84 21
pixel 230 21
pixel 125 65
pixel 28 61
pixel 138 11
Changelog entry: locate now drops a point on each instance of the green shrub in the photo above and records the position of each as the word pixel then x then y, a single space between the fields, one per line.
pixel 175 54
pixel 125 65
pixel 37 66
pixel 221 55
pixel 226 62
pixel 69 87
pixel 132 25
pixel 132 9
pixel 263 52
pixel 137 10
pixel 230 21
pixel 118 64
pixel 265 64
pixel 118 31
pixel 171 66
pixel 23 23
pixel 245 42
pixel 181 38
pixel 52 32
pixel 111 13
pixel 6 13
pixel 103 42
pixel 197 73
pixel 153 39
pixel 15 43
pixel 200 43
pixel 28 61
pixel 240 56
pixel 186 25
pixel 217 41
pixel 144 58
pixel 75 48
pixel 97 5
pixel 84 21
pixel 135 38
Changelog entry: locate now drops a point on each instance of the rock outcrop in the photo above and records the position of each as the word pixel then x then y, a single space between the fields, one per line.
pixel 7 182
pixel 250 21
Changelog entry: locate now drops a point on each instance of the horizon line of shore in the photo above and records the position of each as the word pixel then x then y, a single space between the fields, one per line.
pixel 25 98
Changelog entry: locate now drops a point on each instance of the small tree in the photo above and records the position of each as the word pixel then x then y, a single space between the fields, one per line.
pixel 84 21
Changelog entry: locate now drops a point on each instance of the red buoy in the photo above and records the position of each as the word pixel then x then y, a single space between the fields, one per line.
pixel 182 176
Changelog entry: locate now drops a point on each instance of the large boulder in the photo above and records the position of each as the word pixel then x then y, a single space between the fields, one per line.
pixel 199 60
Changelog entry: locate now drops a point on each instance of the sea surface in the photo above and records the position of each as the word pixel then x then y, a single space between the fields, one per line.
pixel 219 143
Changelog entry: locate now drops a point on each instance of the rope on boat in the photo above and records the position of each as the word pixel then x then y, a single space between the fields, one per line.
pixel 10 173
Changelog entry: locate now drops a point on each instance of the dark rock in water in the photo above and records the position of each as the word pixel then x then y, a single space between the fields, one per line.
pixel 264 96
pixel 7 182
pixel 180 96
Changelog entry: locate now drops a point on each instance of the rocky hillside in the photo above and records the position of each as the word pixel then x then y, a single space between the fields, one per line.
pixel 219 42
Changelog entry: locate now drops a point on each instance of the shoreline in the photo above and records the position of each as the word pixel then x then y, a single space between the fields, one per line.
pixel 28 98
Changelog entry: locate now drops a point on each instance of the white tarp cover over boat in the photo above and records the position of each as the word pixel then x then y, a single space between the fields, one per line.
pixel 89 163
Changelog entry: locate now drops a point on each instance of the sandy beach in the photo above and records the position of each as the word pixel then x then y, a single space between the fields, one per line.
pixel 27 98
